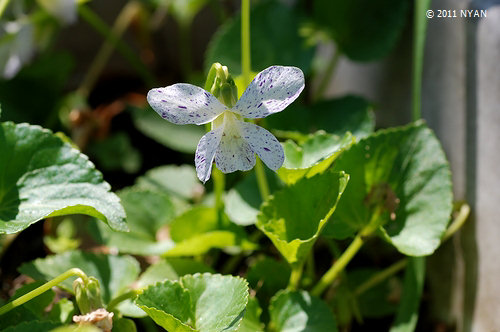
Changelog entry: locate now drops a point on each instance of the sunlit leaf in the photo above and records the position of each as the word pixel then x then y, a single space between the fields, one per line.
pixel 403 170
pixel 43 177
pixel 314 156
pixel 201 302
pixel 295 216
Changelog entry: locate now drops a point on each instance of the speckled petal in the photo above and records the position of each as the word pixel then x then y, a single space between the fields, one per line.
pixel 185 103
pixel 205 153
pixel 264 144
pixel 271 91
pixel 234 152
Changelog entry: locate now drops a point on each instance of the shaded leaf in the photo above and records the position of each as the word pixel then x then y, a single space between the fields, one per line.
pixel 363 30
pixel 116 153
pixel 299 311
pixel 147 212
pixel 202 302
pixel 295 216
pixel 267 35
pixel 403 170
pixel 180 138
pixel 251 320
pixel 32 326
pixel 115 273
pixel 267 276
pixel 44 177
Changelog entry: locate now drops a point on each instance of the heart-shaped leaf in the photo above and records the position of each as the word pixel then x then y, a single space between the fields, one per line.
pixel 295 216
pixel 267 35
pixel 405 172
pixel 147 212
pixel 200 302
pixel 115 273
pixel 44 177
pixel 294 311
pixel 314 156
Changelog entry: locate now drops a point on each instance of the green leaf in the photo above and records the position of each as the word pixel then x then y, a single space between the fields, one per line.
pixel 124 325
pixel 115 273
pixel 179 181
pixel 38 304
pixel 407 315
pixel 363 30
pixel 116 153
pixel 335 116
pixel 295 311
pixel 44 177
pixel 180 138
pixel 201 302
pixel 314 156
pixel 267 35
pixel 62 311
pixel 295 216
pixel 403 170
pixel 198 230
pixel 76 328
pixel 251 319
pixel 147 212
pixel 243 201
pixel 33 326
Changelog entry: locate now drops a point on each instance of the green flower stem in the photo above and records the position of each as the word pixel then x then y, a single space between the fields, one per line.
pixel 246 69
pixel 327 77
pixel 3 6
pixel 458 222
pixel 45 287
pixel 125 296
pixel 219 185
pixel 295 276
pixel 245 41
pixel 112 41
pixel 381 276
pixel 419 31
pixel 349 253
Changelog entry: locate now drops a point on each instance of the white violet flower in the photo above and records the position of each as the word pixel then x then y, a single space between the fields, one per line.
pixel 232 142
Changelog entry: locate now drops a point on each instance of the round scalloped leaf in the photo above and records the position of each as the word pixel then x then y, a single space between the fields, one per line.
pixel 41 176
pixel 364 30
pixel 314 156
pixel 295 216
pixel 267 35
pixel 200 302
pixel 115 273
pixel 404 170
pixel 296 311
pixel 147 212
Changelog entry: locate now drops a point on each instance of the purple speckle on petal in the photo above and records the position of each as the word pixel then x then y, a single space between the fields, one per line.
pixel 163 100
pixel 267 149
pixel 259 105
pixel 184 107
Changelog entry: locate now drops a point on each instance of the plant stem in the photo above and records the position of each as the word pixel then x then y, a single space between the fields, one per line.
pixel 219 185
pixel 458 222
pixel 245 41
pixel 381 276
pixel 125 296
pixel 112 41
pixel 295 276
pixel 338 266
pixel 246 69
pixel 45 287
pixel 327 77
pixel 419 31
pixel 349 253
pixel 3 6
